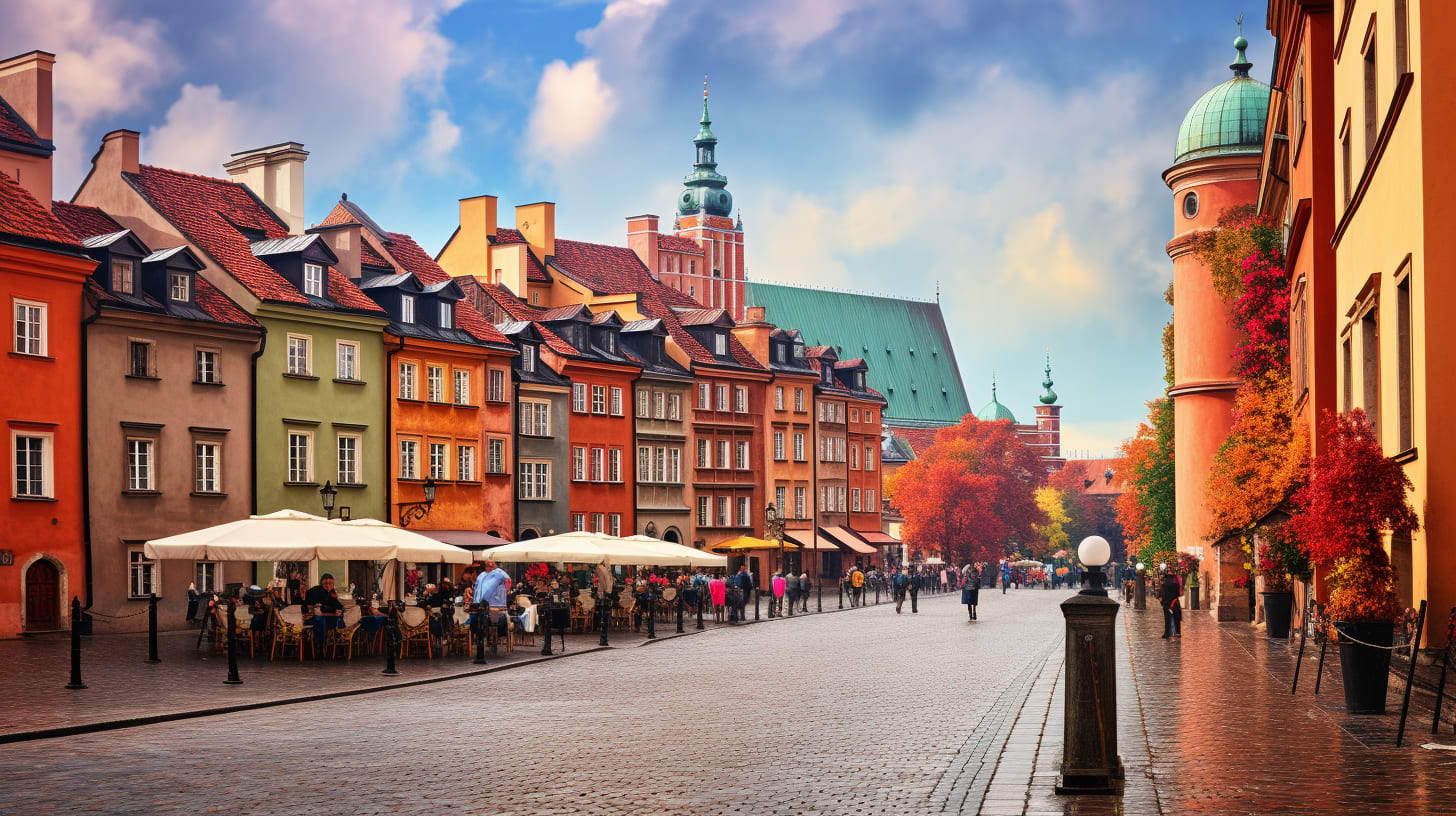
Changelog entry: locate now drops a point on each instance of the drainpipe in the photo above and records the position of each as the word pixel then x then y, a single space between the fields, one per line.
pixel 253 416
pixel 389 431
pixel 86 460
pixel 515 473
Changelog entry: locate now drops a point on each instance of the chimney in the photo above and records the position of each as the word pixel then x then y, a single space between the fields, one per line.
pixel 537 223
pixel 642 238
pixel 468 253
pixel 25 83
pixel 754 333
pixel 756 314
pixel 344 240
pixel 275 175
pixel 119 152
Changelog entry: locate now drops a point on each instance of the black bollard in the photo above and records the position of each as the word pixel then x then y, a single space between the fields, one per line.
pixel 75 683
pixel 482 624
pixel 679 612
pixel 702 591
pixel 820 602
pixel 841 594
pixel 232 635
pixel 545 622
pixel 755 603
pixel 604 611
pixel 152 629
pixel 391 641
pixel 651 614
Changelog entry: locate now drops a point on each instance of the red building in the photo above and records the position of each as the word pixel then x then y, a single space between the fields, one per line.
pixel 42 274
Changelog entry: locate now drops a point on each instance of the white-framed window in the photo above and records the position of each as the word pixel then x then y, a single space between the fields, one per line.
pixel 439 461
pixel 703 460
pixel 799 399
pixel 300 456
pixel 659 465
pixel 869 416
pixel 140 474
pixel 30 328
pixel 462 385
pixel 854 499
pixel 347 446
pixel 798 447
pixel 799 503
pixel 407 380
pixel 614 524
pixel 743 512
pixel 740 400
pixel 779 449
pixel 674 465
pixel 854 458
pixel 528 358
pixel 207 366
pixel 614 465
pixel 206 470
pixel 447 316
pixel 578 522
pixel 643 398
pixel 179 284
pixel 644 464
pixel 123 276
pixel 599 399
pixel 723 454
pixel 720 344
pixel 674 406
pixel 839 492
pixel 495 450
pixel 204 576
pixel 579 393
pixel 781 499
pixel 406 308
pixel 34 465
pixel 535 417
pixel 616 401
pixel 142 578
pixel 704 511
pixel 300 354
pixel 722 397
pixel 313 280
pixel 597 464
pixel 409 459
pixel 435 383
pixel 599 522
pixel 703 390
pixel 823 498
pixel 869 457
pixel 740 457
pixel 854 415
pixel 496 392
pixel 534 480
pixel 535 298
pixel 723 508
pixel 578 464
pixel 139 358
pixel 869 503
pixel 779 395
pixel 659 405
pixel 348 360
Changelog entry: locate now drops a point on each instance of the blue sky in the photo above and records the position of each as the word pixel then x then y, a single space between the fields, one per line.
pixel 1009 150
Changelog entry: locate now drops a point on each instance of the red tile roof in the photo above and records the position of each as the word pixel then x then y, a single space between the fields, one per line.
pixel 338 215
pixel 920 439
pixel 14 128
pixel 83 221
pixel 855 363
pixel 699 317
pixel 205 210
pixel 677 243
pixel 817 351
pixel 368 255
pixel 507 236
pixel 24 217
pixel 217 304
pixel 520 310
pixel 418 262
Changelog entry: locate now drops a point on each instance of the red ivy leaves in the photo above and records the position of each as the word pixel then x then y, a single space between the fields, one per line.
pixel 1262 311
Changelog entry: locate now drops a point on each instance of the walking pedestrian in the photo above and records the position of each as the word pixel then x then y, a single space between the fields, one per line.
pixel 917 581
pixel 1005 577
pixel 856 584
pixel 780 587
pixel 795 587
pixel 1169 593
pixel 718 593
pixel 744 583
pixel 970 589
pixel 899 584
pixel 191 602
pixel 804 587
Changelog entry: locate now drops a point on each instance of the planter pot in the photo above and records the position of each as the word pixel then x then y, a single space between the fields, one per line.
pixel 1364 669
pixel 1277 606
pixel 1193 597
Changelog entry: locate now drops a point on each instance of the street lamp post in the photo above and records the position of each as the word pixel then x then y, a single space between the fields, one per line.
pixel 414 511
pixel 1090 763
pixel 1139 587
pixel 328 494
pixel 773 527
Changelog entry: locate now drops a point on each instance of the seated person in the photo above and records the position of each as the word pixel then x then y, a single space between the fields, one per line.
pixel 328 610
pixel 442 599
pixel 257 601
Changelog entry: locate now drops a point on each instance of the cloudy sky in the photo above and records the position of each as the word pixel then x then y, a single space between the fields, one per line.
pixel 1009 150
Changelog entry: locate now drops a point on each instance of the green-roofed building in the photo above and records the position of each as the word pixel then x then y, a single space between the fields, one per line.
pixel 905 343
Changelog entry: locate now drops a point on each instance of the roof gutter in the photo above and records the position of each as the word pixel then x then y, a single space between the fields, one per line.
pixel 253 411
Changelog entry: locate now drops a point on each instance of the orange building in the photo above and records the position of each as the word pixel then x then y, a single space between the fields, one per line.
pixel 1215 167
pixel 450 396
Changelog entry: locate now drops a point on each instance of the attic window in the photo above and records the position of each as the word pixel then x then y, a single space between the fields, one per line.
pixel 720 344
pixel 528 358
pixel 798 351
pixel 446 318
pixel 535 298
pixel 406 309
pixel 121 276
pixel 179 285
pixel 779 353
pixel 859 380
pixel 313 280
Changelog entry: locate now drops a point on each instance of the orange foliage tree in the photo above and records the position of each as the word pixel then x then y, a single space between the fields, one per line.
pixel 1147 507
pixel 971 495
pixel 1264 459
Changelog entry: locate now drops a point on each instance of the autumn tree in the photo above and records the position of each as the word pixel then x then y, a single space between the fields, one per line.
pixel 971 495
pixel 1052 533
pixel 1146 508
pixel 1241 233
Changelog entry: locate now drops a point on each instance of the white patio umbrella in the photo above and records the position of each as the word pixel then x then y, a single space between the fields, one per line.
pixel 696 558
pixel 290 535
pixel 581 547
pixel 375 540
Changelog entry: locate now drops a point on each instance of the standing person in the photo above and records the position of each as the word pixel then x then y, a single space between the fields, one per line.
pixel 492 587
pixel 191 602
pixel 1005 576
pixel 804 586
pixel 899 583
pixel 743 582
pixel 718 591
pixel 795 589
pixel 1168 593
pixel 970 589
pixel 328 610
pixel 295 587
pixel 780 587
pixel 918 580
pixel 856 586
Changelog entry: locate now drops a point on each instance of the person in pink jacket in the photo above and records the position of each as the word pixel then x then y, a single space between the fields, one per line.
pixel 780 586
pixel 718 593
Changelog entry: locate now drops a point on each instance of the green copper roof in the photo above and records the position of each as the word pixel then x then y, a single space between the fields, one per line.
pixel 1229 118
pixel 1048 396
pixel 904 342
pixel 994 410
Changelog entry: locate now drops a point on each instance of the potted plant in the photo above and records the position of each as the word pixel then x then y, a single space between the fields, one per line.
pixel 1354 496
pixel 1281 563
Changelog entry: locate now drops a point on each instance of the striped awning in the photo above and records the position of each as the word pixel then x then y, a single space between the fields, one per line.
pixel 848 539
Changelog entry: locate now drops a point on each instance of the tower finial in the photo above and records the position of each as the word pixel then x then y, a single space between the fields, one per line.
pixel 1242 65
pixel 993 385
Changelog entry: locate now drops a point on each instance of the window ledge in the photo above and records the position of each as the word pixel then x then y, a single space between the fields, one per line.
pixel 33 498
pixel 143 598
pixel 1406 456
pixel 346 381
pixel 410 400
pixel 498 401
pixel 465 405
pixel 208 494
pixel 301 484
pixel 208 384
pixel 141 492
pixel 41 358
pixel 537 501
pixel 468 482
pixel 536 436
pixel 354 485
pixel 291 376
pixel 143 377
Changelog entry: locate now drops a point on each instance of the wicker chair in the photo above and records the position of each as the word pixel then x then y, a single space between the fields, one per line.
pixel 288 632
pixel 460 636
pixel 414 625
pixel 521 635
pixel 345 637
pixel 581 613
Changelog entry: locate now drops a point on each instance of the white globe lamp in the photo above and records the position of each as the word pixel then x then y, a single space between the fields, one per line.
pixel 1094 553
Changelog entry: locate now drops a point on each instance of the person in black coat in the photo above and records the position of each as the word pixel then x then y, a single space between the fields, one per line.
pixel 971 590
pixel 917 582
pixel 1169 592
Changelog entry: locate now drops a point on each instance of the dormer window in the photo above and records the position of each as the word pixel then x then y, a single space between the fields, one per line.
pixel 528 358
pixel 610 343
pixel 859 380
pixel 778 352
pixel 720 344
pixel 313 280
pixel 798 351
pixel 446 317
pixel 179 285
pixel 406 309
pixel 122 276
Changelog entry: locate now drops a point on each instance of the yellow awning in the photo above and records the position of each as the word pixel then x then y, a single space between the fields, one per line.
pixel 751 543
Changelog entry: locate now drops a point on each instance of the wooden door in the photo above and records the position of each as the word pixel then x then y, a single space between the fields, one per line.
pixel 42 596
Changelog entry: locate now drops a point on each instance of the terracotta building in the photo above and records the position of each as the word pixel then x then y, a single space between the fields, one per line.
pixel 660 412
pixel 1215 167
pixel 169 398
pixel 847 423
pixel 42 272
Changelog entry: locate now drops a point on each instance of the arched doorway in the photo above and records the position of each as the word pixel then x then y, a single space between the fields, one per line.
pixel 528 534
pixel 671 536
pixel 42 596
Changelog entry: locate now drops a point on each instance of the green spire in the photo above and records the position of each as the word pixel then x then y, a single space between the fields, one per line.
pixel 1048 396
pixel 1240 66
pixel 994 410
pixel 703 188
pixel 704 133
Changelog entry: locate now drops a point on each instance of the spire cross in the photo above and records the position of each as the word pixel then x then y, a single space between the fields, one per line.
pixel 1239 21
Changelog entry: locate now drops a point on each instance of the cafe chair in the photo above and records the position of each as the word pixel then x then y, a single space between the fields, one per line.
pixel 415 626
pixel 344 637
pixel 288 632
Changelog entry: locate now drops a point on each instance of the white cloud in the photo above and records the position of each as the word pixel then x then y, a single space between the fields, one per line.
pixel 199 130
pixel 441 138
pixel 572 107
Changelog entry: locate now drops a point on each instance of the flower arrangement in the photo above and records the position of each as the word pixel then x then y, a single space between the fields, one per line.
pixel 537 572
pixel 1355 494
pixel 1185 565
pixel 1281 561
pixel 657 580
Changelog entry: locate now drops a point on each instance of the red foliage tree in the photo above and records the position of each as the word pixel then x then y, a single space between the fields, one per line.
pixel 970 496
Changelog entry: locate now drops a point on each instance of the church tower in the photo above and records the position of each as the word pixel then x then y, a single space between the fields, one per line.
pixel 1215 167
pixel 1049 423
pixel 704 216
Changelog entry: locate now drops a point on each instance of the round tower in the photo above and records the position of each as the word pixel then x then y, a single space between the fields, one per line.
pixel 1049 423
pixel 705 215
pixel 1215 167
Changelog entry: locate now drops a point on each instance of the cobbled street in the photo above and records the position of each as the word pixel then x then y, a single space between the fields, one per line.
pixel 864 712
